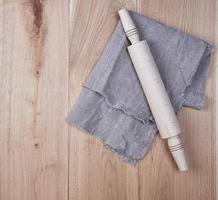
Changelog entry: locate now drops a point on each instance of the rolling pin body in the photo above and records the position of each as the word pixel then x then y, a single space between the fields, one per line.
pixel 154 90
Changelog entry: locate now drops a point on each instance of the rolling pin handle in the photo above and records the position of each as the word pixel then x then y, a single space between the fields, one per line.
pixel 154 90
pixel 129 26
pixel 176 148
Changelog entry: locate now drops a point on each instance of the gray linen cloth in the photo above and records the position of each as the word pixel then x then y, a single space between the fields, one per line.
pixel 112 105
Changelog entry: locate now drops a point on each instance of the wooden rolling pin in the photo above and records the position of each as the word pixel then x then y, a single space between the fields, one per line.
pixel 154 90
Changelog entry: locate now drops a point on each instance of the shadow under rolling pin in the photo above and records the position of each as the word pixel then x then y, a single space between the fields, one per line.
pixel 154 90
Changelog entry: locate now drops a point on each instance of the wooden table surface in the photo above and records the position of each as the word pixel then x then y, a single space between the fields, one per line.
pixel 47 49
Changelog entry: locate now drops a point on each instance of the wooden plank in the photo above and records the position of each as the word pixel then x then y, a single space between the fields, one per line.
pixel 95 172
pixel 216 64
pixel 34 100
pixel 199 126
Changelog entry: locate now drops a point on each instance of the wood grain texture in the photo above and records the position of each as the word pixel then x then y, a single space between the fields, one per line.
pixel 41 157
pixel 34 100
pixel 94 171
pixel 216 64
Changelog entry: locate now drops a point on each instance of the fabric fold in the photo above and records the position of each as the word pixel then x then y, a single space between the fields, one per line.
pixel 112 105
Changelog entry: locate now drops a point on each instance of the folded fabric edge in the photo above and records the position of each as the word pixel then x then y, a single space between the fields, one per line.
pixel 196 98
pixel 131 148
pixel 122 157
pixel 197 101
pixel 142 120
pixel 176 29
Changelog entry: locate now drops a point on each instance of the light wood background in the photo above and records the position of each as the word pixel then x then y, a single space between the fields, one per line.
pixel 216 64
pixel 41 156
